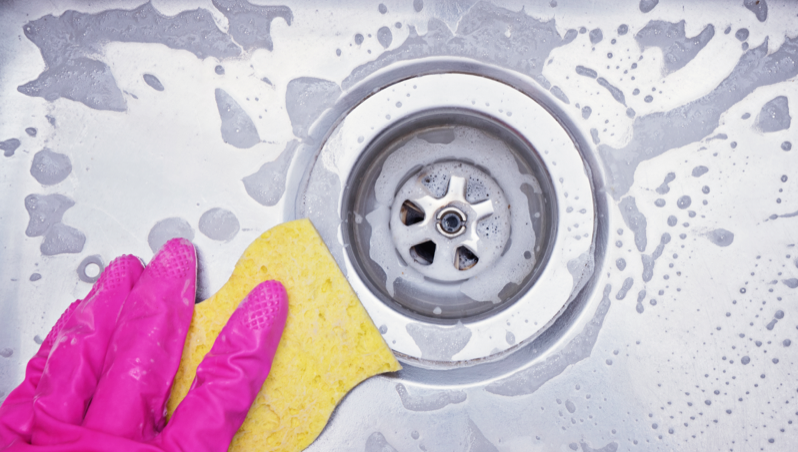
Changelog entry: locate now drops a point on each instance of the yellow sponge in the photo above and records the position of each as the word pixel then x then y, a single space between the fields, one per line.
pixel 329 344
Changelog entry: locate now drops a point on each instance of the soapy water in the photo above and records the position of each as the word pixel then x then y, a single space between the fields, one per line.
pixel 471 145
pixel 649 260
pixel 627 284
pixel 428 400
pixel 250 24
pixel 677 48
pixel 476 440
pixel 306 98
pixel 529 380
pixel 758 7
pixel 721 237
pixel 219 224
pixel 70 44
pixel 774 116
pixel 376 442
pixel 657 133
pixel 480 32
pixel 9 146
pixel 237 127
pixel 647 5
pixel 50 168
pixel 635 220
pixel 94 261
pixel 168 229
pixel 384 37
pixel 153 82
pixel 46 212
pixel 439 343
pixel 267 185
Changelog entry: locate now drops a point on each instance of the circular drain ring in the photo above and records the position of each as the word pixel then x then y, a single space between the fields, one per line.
pixel 573 239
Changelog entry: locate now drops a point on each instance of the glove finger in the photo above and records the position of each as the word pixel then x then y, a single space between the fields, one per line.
pixel 146 347
pixel 76 358
pixel 230 376
pixel 16 413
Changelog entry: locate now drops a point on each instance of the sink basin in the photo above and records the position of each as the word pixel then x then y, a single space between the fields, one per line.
pixel 572 222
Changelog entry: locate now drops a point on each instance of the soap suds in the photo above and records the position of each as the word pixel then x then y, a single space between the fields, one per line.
pixel 168 229
pixel 647 5
pixel 50 168
pixel 219 224
pixel 428 400
pixel 611 447
pixel 250 25
pixel 721 237
pixel 559 94
pixel 627 284
pixel 659 132
pixel 61 239
pixel 664 188
pixel 267 185
pixel 9 146
pixel 635 220
pixel 376 442
pixel 532 378
pixel 616 93
pixel 774 116
pixel 594 135
pixel 31 131
pixel 677 48
pixel 384 37
pixel 305 99
pixel 153 82
pixel 758 7
pixel 480 34
pixel 595 36
pixel 45 213
pixel 741 34
pixel 649 260
pixel 80 79
pixel 439 343
pixel 476 441
pixel 237 127
pixel 699 171
pixel 586 71
pixel 70 44
pixel 581 270
pixel 89 260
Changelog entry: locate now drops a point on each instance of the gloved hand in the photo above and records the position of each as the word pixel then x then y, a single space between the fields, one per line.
pixel 101 378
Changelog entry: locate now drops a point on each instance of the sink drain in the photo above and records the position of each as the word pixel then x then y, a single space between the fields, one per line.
pixel 466 213
pixel 450 221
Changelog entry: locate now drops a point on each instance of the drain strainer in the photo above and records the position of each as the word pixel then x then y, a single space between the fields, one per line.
pixel 450 221
pixel 467 215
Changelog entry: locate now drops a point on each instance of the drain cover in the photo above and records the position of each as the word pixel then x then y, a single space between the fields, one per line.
pixel 468 215
pixel 450 221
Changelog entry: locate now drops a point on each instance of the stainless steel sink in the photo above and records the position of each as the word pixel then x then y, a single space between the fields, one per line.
pixel 572 221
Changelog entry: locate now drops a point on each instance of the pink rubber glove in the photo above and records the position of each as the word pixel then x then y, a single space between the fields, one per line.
pixel 101 378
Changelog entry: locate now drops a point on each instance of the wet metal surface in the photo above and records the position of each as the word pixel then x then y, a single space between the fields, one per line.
pixel 127 123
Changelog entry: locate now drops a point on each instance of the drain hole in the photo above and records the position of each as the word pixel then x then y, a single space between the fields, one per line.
pixel 465 259
pixel 423 253
pixel 412 214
